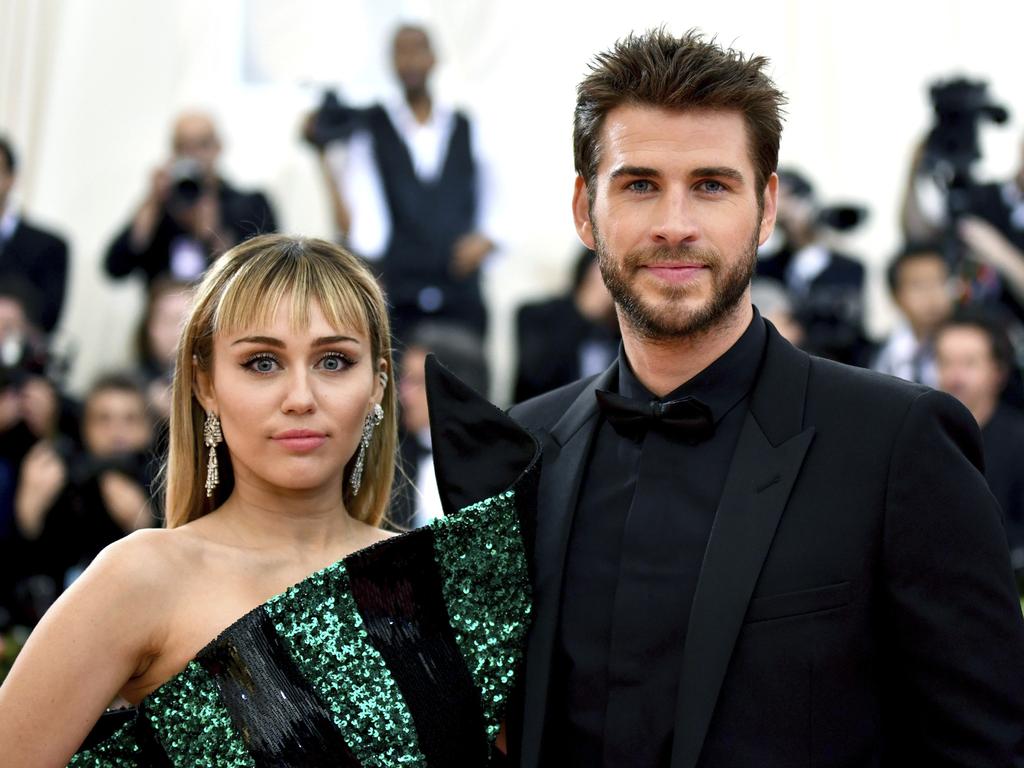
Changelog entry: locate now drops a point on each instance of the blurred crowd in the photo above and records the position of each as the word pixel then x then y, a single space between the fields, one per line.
pixel 412 194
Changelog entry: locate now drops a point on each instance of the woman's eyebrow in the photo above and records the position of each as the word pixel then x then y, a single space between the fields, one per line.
pixel 270 341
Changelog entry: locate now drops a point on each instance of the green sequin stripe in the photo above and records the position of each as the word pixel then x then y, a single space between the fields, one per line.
pixel 118 750
pixel 486 585
pixel 193 725
pixel 323 629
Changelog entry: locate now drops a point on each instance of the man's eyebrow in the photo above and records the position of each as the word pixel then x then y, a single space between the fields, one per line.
pixel 270 341
pixel 634 170
pixel 719 171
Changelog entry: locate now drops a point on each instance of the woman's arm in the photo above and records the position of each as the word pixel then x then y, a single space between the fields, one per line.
pixel 100 633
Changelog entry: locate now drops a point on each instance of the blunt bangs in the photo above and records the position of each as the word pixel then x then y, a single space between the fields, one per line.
pixel 302 275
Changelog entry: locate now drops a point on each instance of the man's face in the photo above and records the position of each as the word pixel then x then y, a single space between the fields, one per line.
pixel 923 292
pixel 967 369
pixel 675 219
pixel 414 58
pixel 116 422
pixel 6 181
pixel 195 137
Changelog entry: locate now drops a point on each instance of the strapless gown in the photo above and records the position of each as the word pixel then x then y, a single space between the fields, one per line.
pixel 401 654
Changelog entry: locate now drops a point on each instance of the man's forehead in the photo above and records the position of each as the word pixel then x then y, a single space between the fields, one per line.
pixel 648 130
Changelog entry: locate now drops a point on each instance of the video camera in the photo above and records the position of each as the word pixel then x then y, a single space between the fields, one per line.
pixel 952 147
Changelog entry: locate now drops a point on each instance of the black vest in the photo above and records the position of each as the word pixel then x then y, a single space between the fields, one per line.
pixel 426 217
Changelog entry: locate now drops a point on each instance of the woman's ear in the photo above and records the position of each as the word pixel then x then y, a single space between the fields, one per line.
pixel 383 374
pixel 202 387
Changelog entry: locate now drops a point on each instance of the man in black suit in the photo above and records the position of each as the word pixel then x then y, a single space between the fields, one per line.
pixel 191 214
pixel 746 556
pixel 31 258
pixel 568 337
pixel 827 286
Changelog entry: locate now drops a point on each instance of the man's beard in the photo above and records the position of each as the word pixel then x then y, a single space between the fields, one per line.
pixel 669 320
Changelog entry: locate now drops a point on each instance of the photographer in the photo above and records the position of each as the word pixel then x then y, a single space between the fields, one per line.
pixel 826 287
pixel 980 224
pixel 32 256
pixel 70 504
pixel 191 213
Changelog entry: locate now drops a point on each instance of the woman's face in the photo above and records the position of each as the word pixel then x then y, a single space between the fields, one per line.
pixel 292 404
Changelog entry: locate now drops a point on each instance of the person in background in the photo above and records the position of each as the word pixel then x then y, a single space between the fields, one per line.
pixel 416 500
pixel 975 361
pixel 71 503
pixel 989 230
pixel 827 287
pixel 775 305
pixel 563 339
pixel 29 255
pixel 191 214
pixel 156 342
pixel 412 195
pixel 921 286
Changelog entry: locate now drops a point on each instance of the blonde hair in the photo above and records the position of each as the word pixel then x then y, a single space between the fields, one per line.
pixel 242 289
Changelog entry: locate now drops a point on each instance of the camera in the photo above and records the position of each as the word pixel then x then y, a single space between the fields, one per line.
pixel 332 121
pixel 960 105
pixel 188 183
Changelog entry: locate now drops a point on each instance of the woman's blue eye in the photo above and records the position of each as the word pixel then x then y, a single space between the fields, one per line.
pixel 335 362
pixel 261 364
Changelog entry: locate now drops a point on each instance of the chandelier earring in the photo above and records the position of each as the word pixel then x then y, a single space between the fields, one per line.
pixel 373 418
pixel 212 437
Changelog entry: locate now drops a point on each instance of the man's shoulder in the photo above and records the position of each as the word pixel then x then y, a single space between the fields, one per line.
pixel 544 410
pixel 37 236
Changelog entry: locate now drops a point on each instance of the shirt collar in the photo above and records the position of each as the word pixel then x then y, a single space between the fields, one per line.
pixel 721 385
pixel 9 220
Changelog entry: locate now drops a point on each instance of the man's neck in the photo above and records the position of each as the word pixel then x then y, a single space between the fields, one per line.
pixel 663 365
pixel 419 103
pixel 983 412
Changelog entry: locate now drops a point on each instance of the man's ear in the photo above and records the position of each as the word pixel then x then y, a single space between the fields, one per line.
pixel 771 207
pixel 581 213
pixel 202 387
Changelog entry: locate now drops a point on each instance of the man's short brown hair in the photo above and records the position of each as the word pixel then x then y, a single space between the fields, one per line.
pixel 658 69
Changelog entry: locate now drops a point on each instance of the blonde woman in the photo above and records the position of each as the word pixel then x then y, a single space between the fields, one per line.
pixel 272 622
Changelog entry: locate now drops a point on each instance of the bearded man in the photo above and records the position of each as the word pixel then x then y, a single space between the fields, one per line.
pixel 746 556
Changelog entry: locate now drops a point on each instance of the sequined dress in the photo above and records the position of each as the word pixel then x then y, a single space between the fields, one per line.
pixel 401 654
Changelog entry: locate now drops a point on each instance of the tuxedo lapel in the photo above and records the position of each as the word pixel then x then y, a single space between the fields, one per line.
pixel 769 454
pixel 565 452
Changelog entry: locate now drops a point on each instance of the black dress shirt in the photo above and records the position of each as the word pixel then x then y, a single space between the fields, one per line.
pixel 639 534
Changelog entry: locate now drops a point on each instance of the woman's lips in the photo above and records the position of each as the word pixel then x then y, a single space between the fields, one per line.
pixel 300 440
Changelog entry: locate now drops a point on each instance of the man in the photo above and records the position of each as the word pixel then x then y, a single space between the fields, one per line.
pixel 410 193
pixel 990 227
pixel 746 556
pixel 415 498
pixel 32 258
pixel 568 337
pixel 827 286
pixel 921 287
pixel 975 360
pixel 191 214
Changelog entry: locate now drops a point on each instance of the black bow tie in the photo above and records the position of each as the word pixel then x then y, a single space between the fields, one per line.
pixel 687 416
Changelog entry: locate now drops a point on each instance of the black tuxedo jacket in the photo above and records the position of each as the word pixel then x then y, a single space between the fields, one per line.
pixel 855 605
pixel 40 259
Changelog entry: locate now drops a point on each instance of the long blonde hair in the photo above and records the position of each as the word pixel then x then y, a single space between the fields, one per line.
pixel 244 288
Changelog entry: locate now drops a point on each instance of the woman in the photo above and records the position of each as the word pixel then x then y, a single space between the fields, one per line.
pixel 273 622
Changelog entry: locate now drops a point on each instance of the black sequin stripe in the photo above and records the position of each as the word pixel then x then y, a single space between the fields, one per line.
pixel 398 592
pixel 281 720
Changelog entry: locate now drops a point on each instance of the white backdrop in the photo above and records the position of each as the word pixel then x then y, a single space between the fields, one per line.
pixel 88 89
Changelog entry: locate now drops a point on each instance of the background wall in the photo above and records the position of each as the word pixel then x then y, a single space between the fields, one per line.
pixel 88 89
